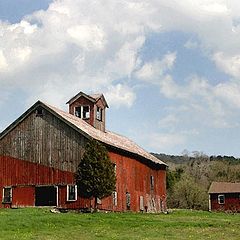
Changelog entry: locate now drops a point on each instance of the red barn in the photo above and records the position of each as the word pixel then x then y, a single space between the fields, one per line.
pixel 224 196
pixel 41 150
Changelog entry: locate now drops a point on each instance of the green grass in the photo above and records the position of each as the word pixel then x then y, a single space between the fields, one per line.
pixel 39 224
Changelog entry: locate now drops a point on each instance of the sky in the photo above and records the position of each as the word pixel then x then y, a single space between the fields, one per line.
pixel 169 70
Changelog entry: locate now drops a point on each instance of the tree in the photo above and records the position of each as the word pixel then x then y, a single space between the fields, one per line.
pixel 189 194
pixel 95 176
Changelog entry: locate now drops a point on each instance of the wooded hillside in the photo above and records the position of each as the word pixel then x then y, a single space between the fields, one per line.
pixel 190 175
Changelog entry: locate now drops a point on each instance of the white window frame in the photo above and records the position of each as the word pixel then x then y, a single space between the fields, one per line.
pixel 3 196
pixel 141 203
pixel 219 198
pixel 71 200
pixel 81 111
pixel 114 196
pixel 99 114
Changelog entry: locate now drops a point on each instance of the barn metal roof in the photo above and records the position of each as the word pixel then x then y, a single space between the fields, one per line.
pixel 110 138
pixel 224 187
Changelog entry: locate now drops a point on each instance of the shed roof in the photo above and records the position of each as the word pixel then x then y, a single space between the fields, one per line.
pixel 224 187
pixel 110 138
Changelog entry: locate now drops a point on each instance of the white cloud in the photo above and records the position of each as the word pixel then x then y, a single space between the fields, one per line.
pixel 89 37
pixel 152 71
pixel 213 7
pixel 165 141
pixel 230 93
pixel 190 44
pixel 93 45
pixel 3 62
pixel 120 95
pixel 168 122
pixel 228 64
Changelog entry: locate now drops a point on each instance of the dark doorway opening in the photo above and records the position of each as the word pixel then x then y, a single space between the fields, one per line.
pixel 46 196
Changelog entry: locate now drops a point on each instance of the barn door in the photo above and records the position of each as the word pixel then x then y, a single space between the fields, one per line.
pixel 46 196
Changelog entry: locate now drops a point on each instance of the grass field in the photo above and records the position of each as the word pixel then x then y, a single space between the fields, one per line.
pixel 36 223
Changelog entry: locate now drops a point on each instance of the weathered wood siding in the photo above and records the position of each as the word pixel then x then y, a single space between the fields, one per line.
pixel 45 140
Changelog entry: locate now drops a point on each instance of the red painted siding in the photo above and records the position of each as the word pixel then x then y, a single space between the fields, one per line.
pixel 232 202
pixel 132 176
pixel 23 196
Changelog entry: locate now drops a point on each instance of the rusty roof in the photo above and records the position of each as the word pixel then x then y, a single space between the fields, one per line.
pixel 224 187
pixel 110 138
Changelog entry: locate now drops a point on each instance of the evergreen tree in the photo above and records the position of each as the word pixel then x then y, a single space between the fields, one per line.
pixel 95 176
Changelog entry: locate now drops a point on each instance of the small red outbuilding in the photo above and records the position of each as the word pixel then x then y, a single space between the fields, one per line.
pixel 224 196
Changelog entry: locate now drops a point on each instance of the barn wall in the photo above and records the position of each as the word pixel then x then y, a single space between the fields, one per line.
pixel 134 177
pixel 44 140
pixel 23 176
pixel 43 150
pixel 232 202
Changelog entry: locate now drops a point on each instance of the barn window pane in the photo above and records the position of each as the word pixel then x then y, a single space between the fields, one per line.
pixel 152 182
pixel 99 113
pixel 128 200
pixel 141 203
pixel 86 111
pixel 39 112
pixel 221 199
pixel 114 195
pixel 71 192
pixel 82 112
pixel 78 112
pixel 7 195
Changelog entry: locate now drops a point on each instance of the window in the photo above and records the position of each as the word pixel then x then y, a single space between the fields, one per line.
pixel 99 114
pixel 7 195
pixel 82 112
pixel 86 112
pixel 152 182
pixel 221 199
pixel 71 192
pixel 115 168
pixel 78 112
pixel 141 203
pixel 39 112
pixel 99 201
pixel 128 200
pixel 114 195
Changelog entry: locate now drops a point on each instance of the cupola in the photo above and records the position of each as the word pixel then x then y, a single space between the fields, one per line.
pixel 90 108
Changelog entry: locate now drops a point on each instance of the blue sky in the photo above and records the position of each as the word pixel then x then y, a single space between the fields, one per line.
pixel 170 70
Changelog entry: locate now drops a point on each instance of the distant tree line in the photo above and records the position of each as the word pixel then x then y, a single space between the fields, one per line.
pixel 189 177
